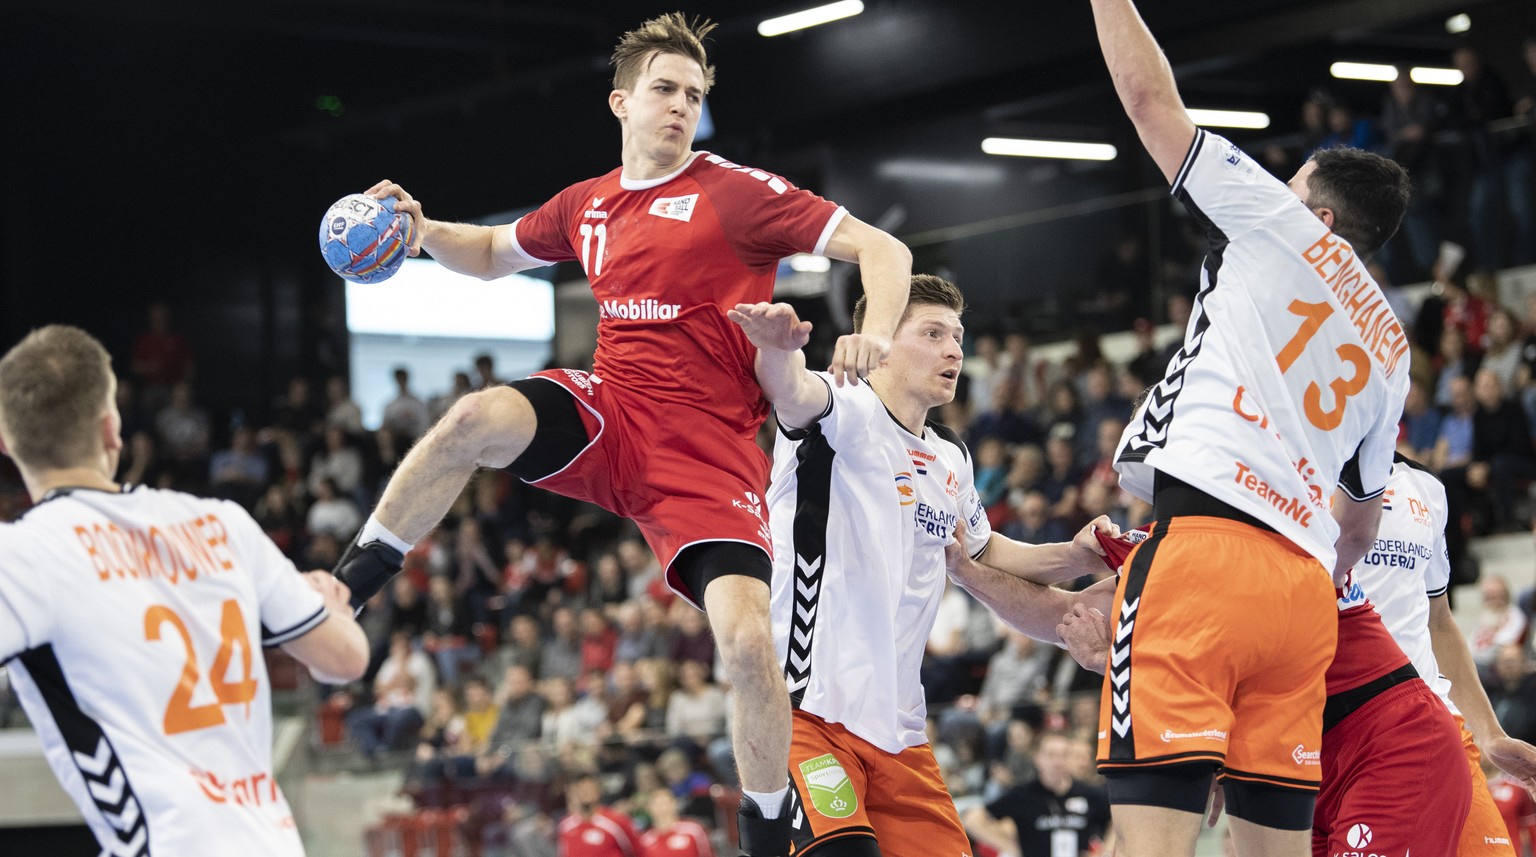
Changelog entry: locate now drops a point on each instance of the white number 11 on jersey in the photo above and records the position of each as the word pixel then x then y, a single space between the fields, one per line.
pixel 593 264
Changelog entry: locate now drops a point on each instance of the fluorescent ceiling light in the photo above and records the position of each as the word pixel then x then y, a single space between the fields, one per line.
pixel 1435 76
pixel 810 17
pixel 1227 118
pixel 1458 24
pixel 1020 148
pixel 910 169
pixel 1363 71
pixel 805 263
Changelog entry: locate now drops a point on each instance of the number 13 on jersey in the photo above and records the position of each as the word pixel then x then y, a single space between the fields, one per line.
pixel 1353 356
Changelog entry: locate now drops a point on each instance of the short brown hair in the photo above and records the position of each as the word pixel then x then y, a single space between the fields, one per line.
pixel 926 289
pixel 1368 195
pixel 667 34
pixel 53 389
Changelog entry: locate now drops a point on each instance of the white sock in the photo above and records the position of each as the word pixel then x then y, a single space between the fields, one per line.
pixel 373 531
pixel 769 804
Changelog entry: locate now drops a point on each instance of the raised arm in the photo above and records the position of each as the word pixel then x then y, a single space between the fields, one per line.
pixel 486 252
pixel 885 266
pixel 799 397
pixel 1144 82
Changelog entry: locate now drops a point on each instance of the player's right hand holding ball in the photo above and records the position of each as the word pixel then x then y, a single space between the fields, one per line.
pixel 406 203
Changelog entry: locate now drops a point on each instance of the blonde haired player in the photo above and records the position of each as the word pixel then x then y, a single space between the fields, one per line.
pixel 132 621
pixel 662 430
pixel 866 494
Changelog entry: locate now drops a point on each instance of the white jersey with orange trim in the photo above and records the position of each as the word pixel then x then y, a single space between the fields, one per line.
pixel 133 624
pixel 1408 565
pixel 1293 369
pixel 861 509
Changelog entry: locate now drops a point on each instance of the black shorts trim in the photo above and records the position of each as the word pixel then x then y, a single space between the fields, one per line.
pixel 698 565
pixel 559 435
pixel 1275 807
pixel 1269 779
pixel 1185 787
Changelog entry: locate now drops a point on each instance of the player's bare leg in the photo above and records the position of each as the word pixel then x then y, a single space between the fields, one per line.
pixel 489 428
pixel 737 606
pixel 1155 831
pixel 1253 840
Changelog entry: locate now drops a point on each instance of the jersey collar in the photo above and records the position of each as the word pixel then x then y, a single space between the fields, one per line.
pixel 647 184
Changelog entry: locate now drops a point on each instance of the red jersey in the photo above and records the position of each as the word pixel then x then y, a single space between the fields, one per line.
pixel 684 839
pixel 1517 808
pixel 666 258
pixel 605 834
pixel 1366 650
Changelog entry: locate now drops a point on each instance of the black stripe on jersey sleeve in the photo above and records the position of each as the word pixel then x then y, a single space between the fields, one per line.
pixel 1189 161
pixel 1350 480
pixel 271 638
pixel 800 433
pixel 1438 592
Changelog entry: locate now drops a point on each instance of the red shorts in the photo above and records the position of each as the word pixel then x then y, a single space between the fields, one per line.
pixel 845 786
pixel 1395 779
pixel 680 473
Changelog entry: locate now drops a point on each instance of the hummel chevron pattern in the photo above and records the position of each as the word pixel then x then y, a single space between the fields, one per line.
pixel 109 789
pixel 1158 412
pixel 1120 669
pixel 797 667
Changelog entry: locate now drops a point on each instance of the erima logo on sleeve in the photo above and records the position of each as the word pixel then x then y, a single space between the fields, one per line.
pixel 675 207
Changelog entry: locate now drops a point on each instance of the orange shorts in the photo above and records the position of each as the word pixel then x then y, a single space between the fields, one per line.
pixel 845 786
pixel 1223 633
pixel 1485 834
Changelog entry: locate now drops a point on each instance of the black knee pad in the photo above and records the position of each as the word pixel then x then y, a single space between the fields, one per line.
pixel 1279 807
pixel 1185 787
pixel 559 435
pixel 701 563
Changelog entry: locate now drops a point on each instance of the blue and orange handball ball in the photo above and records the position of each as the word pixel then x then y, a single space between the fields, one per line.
pixel 364 239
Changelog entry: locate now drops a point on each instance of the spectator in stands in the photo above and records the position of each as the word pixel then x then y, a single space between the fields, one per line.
pixel 1501 348
pixel 439 404
pixel 442 731
pixel 1480 99
pixel 624 701
pixel 1147 366
pixel 636 639
pixel 1421 425
pixel 691 639
pixel 338 461
pixel 480 715
pixel 1021 364
pixel 607 588
pixel 525 645
pixel 984 369
pixel 688 784
pixel 1062 476
pixel 519 720
pixel 1016 677
pixel 1032 522
pixel 449 634
pixel 239 473
pixel 405 414
pixel 182 426
pixel 485 372
pixel 340 410
pixel 161 357
pixel 297 411
pixel 1502 456
pixel 402 691
pixel 640 566
pixel 561 655
pixel 1454 361
pixel 1522 160
pixel 1503 623
pixel 598 640
pixel 1005 416
pixel 282 523
pixel 658 679
pixel 1512 691
pixel 696 709
pixel 991 471
pixel 407 608
pixel 1347 129
pixel 332 513
pixel 1410 117
pixel 1453 448
pixel 1179 308
pixel 476 576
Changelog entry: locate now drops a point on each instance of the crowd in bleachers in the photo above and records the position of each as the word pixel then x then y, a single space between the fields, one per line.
pixel 531 635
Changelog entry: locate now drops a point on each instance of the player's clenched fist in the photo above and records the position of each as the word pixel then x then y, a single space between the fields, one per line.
pixel 1086 632
pixel 856 355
